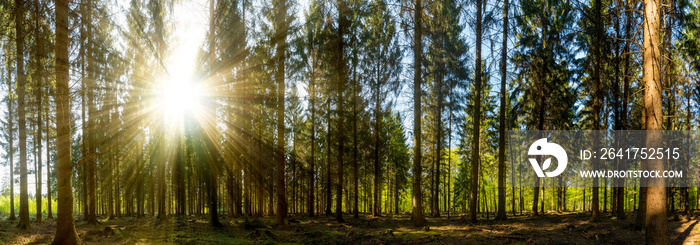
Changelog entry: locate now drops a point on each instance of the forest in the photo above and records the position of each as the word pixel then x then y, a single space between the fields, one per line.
pixel 337 121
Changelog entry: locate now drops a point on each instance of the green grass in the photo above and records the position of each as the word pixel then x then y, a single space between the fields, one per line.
pixel 5 206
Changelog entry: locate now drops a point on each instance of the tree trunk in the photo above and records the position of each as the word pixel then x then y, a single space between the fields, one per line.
pixel 279 77
pixel 38 96
pixel 356 184
pixel 312 161
pixel 597 83
pixel 48 161
pixel 656 220
pixel 21 80
pixel 438 148
pixel 328 200
pixel 620 190
pixel 342 80
pixel 476 123
pixel 65 224
pixel 213 156
pixel 10 141
pixel 417 205
pixel 179 172
pixel 90 158
pixel 117 188
pixel 502 122
pixel 110 166
pixel 377 166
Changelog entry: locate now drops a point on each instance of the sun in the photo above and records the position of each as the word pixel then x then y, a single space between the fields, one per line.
pixel 181 99
pixel 181 96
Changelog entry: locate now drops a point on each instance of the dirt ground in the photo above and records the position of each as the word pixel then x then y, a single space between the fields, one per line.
pixel 567 228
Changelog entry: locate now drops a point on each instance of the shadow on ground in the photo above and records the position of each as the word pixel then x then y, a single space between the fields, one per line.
pixel 567 228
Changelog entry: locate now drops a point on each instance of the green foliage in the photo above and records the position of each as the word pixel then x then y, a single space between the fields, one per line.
pixel 544 58
pixel 488 141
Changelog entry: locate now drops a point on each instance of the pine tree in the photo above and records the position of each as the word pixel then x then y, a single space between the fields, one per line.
pixel 656 220
pixel 543 57
pixel 65 224
pixel 417 212
pixel 475 160
pixel 9 129
pixel 21 108
pixel 502 121
pixel 382 68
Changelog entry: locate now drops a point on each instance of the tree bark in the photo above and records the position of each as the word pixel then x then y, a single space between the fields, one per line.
pixel 438 146
pixel 279 76
pixel 10 141
pixel 356 184
pixel 65 224
pixel 21 80
pixel 328 200
pixel 342 80
pixel 312 161
pixel 476 123
pixel 90 158
pixel 417 204
pixel 656 221
pixel 502 122
pixel 213 156
pixel 48 161
pixel 38 96
pixel 377 166
pixel 597 83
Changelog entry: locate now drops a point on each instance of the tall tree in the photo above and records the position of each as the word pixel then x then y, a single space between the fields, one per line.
pixel 48 159
pixel 656 220
pixel 436 59
pixel 597 87
pixel 282 28
pixel 455 56
pixel 212 155
pixel 313 30
pixel 502 121
pixel 65 224
pixel 343 24
pixel 158 9
pixel 475 160
pixel 10 134
pixel 417 205
pixel 21 83
pixel 544 61
pixel 90 159
pixel 37 87
pixel 381 66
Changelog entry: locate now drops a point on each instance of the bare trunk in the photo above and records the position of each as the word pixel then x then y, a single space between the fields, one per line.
pixel 356 184
pixel 476 123
pixel 65 224
pixel 377 167
pixel 48 162
pixel 312 161
pixel 656 220
pixel 328 200
pixel 281 49
pixel 502 122
pixel 597 83
pixel 417 205
pixel 10 141
pixel 90 158
pixel 342 79
pixel 213 154
pixel 21 80
pixel 38 95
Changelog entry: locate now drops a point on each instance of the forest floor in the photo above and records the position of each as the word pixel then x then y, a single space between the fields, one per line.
pixel 566 228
